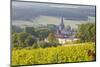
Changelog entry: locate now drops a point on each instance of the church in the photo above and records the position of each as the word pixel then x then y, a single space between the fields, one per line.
pixel 65 34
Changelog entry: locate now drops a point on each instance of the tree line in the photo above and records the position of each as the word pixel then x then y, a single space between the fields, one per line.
pixel 32 37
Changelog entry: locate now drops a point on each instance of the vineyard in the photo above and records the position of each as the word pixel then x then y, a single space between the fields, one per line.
pixel 60 54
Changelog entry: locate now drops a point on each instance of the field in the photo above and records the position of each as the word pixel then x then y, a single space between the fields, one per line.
pixel 60 54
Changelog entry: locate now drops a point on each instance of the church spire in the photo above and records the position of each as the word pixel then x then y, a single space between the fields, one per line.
pixel 62 24
pixel 62 20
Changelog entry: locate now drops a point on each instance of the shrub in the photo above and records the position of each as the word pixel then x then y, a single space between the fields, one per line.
pixel 42 44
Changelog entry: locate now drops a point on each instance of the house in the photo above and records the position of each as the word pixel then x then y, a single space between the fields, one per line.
pixel 65 40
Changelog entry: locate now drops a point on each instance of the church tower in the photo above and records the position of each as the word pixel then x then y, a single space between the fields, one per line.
pixel 61 26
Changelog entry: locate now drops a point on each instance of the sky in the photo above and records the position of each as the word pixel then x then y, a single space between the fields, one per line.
pixel 32 14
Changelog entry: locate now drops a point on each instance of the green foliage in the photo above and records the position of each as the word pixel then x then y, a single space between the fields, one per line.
pixel 30 40
pixel 30 30
pixel 42 33
pixel 22 39
pixel 35 45
pixel 42 44
pixel 15 40
pixel 52 38
pixel 66 53
pixel 86 32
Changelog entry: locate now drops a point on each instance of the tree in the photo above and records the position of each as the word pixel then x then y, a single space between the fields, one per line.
pixel 23 39
pixel 52 38
pixel 15 40
pixel 42 33
pixel 30 30
pixel 30 40
pixel 86 32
